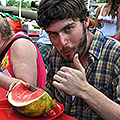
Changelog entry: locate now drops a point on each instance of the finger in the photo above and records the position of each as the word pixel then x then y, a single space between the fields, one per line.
pixel 77 63
pixel 57 78
pixel 63 69
pixel 58 85
pixel 60 79
pixel 27 85
pixel 31 87
pixel 62 74
pixel 7 93
pixel 10 88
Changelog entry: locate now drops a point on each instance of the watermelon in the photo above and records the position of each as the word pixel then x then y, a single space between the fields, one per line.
pixel 30 103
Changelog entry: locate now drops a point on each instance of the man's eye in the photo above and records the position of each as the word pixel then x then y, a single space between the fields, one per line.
pixel 53 35
pixel 68 29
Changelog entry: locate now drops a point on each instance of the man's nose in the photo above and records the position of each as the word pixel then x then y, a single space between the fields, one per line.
pixel 63 39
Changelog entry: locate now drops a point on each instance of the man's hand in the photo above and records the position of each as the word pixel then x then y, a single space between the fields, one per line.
pixel 71 81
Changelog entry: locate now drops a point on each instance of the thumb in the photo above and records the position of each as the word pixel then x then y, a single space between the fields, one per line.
pixel 77 63
pixel 31 87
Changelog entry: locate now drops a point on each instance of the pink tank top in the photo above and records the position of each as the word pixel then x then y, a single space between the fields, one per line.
pixel 7 68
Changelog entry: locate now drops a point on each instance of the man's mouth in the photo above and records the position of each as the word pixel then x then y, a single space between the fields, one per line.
pixel 67 52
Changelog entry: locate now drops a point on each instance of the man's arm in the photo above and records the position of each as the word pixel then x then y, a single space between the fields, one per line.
pixel 73 82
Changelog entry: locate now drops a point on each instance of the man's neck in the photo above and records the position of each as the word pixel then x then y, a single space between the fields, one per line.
pixel 83 59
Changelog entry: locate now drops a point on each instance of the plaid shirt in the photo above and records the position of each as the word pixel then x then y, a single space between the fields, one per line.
pixel 102 72
pixel 44 50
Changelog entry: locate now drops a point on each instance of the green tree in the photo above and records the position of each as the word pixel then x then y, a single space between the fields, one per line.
pixel 102 1
pixel 24 4
pixel 11 3
pixel 0 3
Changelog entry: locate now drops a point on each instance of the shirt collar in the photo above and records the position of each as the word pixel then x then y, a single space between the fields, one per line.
pixel 97 43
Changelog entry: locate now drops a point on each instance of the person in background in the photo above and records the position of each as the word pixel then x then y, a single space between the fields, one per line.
pixel 14 22
pixel 108 18
pixel 83 70
pixel 44 45
pixel 44 38
pixel 92 23
pixel 20 59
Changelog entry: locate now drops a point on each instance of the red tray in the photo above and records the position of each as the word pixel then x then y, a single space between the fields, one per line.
pixel 7 112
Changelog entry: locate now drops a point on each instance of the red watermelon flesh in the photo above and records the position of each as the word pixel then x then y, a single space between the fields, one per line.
pixel 30 103
pixel 21 94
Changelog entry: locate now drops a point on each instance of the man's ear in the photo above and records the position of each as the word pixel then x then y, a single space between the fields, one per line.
pixel 87 22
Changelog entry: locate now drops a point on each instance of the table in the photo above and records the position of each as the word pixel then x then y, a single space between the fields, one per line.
pixel 7 111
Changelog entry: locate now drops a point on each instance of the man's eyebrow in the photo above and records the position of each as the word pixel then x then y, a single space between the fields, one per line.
pixel 67 26
pixel 50 32
pixel 62 28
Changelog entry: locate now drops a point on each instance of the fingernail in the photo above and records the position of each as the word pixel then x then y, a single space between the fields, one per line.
pixel 7 94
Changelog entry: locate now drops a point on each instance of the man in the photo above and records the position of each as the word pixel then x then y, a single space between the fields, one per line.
pixel 83 68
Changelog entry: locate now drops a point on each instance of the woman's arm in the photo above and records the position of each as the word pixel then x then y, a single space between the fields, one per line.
pixel 24 62
pixel 97 23
pixel 92 23
pixel 118 25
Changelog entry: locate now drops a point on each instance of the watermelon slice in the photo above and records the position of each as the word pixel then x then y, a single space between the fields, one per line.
pixel 30 103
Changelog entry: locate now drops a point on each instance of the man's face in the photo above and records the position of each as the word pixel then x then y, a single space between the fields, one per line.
pixel 68 37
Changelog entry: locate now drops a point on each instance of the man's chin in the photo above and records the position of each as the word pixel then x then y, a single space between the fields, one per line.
pixel 68 59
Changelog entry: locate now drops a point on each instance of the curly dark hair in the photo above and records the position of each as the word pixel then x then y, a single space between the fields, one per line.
pixel 50 11
pixel 114 7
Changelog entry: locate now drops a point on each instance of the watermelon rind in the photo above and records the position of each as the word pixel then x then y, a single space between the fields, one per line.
pixel 36 107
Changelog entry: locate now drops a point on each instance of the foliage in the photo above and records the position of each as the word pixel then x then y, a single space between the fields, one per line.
pixel 11 2
pixel 102 1
pixel 24 4
pixel 0 3
pixel 27 4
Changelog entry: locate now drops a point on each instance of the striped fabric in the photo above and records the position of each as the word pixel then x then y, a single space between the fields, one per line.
pixel 102 71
